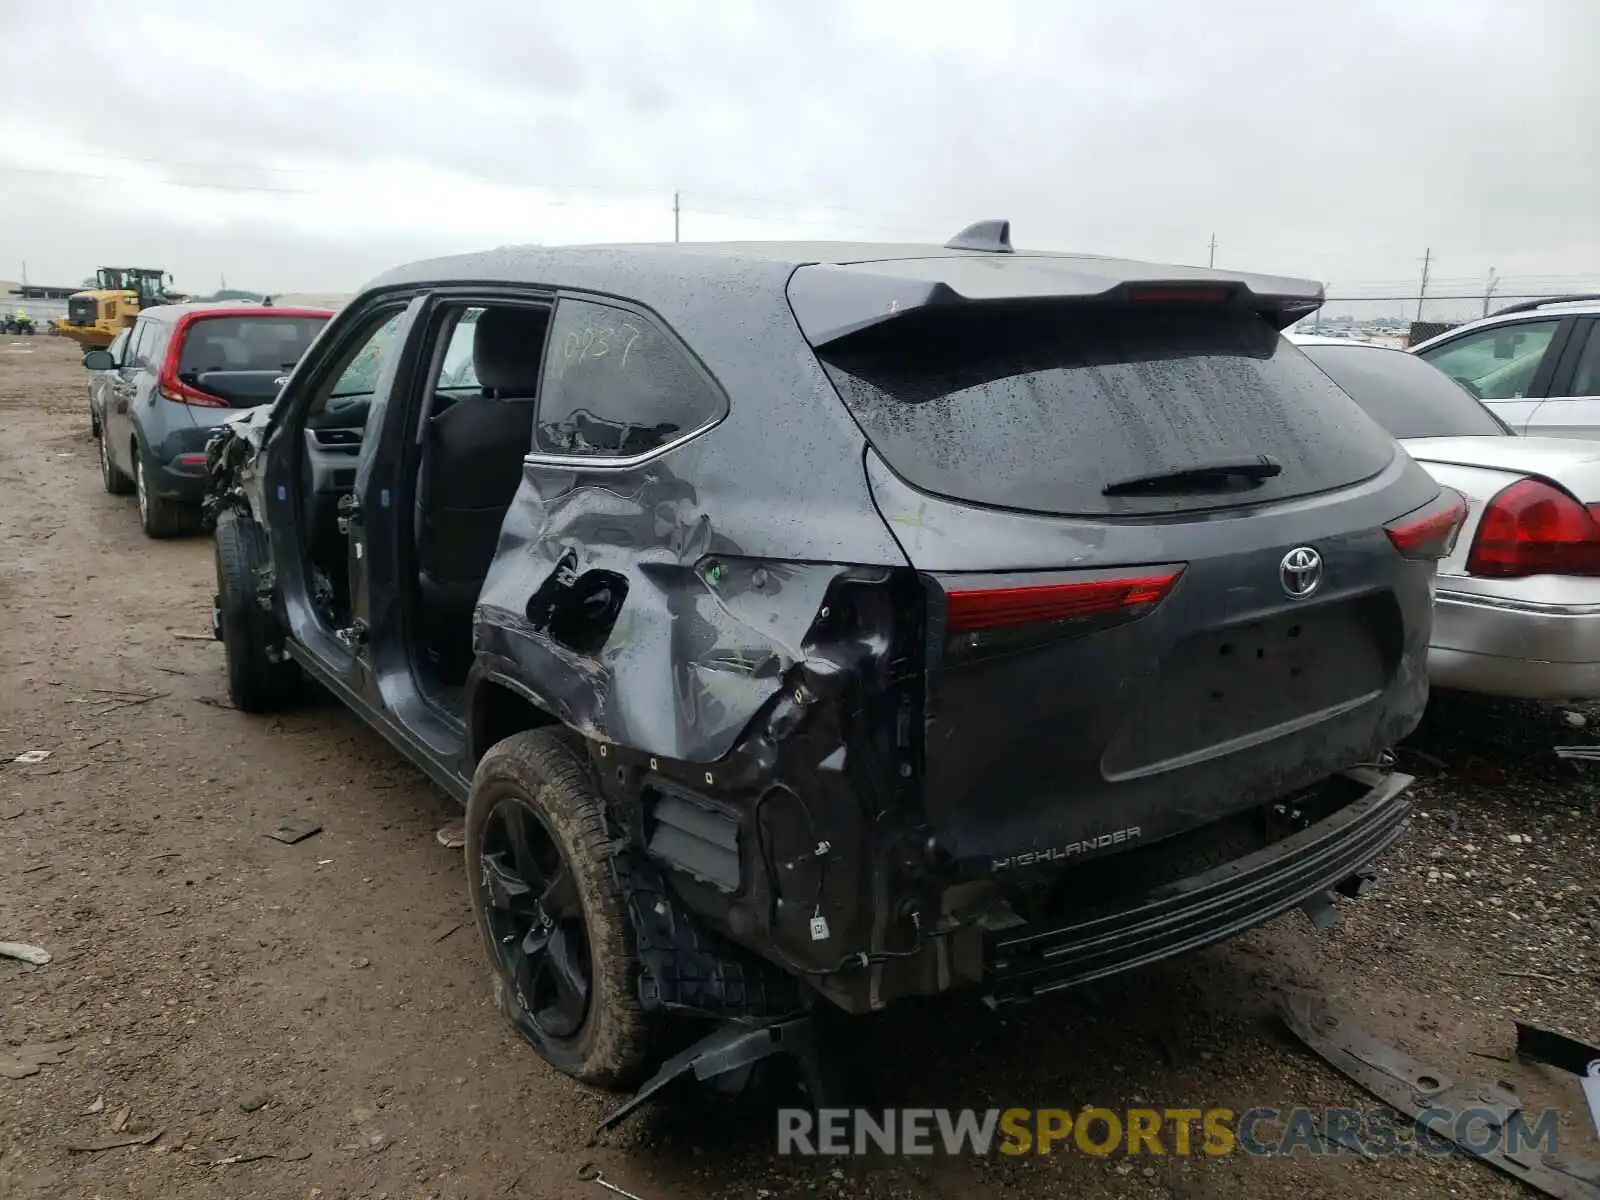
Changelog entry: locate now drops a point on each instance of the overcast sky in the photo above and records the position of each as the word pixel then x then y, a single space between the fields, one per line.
pixel 1334 140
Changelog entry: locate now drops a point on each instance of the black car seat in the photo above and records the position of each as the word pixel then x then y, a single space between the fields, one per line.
pixel 471 467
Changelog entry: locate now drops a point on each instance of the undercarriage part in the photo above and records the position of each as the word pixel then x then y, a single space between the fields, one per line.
pixel 1320 911
pixel 1421 1093
pixel 1565 1054
pixel 693 838
pixel 733 1047
pixel 690 969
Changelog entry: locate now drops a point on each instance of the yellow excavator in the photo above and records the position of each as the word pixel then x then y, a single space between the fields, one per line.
pixel 95 316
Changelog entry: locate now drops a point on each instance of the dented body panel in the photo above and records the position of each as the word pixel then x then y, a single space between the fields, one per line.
pixel 748 621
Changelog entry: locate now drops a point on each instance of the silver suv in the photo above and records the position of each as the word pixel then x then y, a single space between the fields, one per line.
pixel 1536 364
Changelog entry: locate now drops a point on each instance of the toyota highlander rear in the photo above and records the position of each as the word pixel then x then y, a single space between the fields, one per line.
pixel 1178 599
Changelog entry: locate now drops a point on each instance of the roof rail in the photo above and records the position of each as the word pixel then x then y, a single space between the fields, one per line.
pixel 993 236
pixel 1531 305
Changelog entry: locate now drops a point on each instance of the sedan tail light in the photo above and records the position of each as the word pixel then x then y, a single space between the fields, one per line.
pixel 1534 528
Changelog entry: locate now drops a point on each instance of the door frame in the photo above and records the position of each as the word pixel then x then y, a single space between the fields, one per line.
pixel 393 620
pixel 311 640
pixel 1586 330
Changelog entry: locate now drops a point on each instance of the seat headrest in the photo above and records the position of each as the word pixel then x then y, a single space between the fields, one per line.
pixel 507 346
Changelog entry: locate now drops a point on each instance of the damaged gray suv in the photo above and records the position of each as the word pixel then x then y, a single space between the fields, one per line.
pixel 832 624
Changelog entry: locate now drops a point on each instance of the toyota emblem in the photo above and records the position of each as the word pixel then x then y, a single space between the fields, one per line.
pixel 1301 572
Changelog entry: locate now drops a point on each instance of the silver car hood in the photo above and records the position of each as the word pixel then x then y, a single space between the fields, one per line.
pixel 1572 463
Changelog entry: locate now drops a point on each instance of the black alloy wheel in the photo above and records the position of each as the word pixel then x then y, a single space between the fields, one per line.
pixel 535 919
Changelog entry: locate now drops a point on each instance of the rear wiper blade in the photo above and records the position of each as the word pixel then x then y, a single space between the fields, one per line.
pixel 1253 467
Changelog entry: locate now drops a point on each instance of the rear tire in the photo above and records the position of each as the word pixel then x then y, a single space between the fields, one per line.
pixel 544 775
pixel 158 516
pixel 255 682
pixel 111 476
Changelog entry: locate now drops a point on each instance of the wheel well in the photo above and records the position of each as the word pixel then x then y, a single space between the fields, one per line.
pixel 498 712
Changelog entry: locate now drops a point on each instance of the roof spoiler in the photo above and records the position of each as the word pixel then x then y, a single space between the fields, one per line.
pixel 834 301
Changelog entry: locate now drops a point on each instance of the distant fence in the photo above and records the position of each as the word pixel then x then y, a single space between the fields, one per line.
pixel 1421 331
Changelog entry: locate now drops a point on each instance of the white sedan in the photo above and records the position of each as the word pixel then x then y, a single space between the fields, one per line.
pixel 1518 608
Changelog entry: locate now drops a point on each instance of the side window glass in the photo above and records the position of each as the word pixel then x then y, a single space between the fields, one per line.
pixel 136 337
pixel 459 372
pixel 1586 378
pixel 617 385
pixel 119 348
pixel 1497 363
pixel 344 401
pixel 154 347
pixel 360 374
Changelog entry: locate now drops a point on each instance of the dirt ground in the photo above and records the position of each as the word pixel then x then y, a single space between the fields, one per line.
pixel 325 1006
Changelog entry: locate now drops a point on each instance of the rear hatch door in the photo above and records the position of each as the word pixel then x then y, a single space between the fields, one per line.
pixel 1152 535
pixel 243 358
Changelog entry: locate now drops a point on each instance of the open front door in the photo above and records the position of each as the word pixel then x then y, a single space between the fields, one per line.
pixel 366 512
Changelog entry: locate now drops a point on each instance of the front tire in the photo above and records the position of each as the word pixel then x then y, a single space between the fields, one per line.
pixel 255 682
pixel 158 516
pixel 566 968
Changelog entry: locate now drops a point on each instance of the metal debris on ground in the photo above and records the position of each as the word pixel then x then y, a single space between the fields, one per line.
pixel 132 1139
pixel 29 757
pixel 1578 753
pixel 258 1155
pixel 1414 1089
pixel 291 832
pixel 1565 1054
pixel 590 1173
pixel 452 836
pixel 98 1106
pixel 37 955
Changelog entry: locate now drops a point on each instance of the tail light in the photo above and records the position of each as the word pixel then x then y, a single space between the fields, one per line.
pixel 991 613
pixel 174 389
pixel 1534 528
pixel 1430 532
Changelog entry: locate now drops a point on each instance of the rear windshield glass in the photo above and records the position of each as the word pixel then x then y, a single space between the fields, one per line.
pixel 1407 396
pixel 247 343
pixel 1042 409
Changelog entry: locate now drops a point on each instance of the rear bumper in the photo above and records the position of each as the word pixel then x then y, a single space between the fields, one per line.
pixel 1205 908
pixel 179 456
pixel 181 481
pixel 1521 648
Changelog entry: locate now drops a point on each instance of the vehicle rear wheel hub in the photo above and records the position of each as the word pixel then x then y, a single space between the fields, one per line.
pixel 535 919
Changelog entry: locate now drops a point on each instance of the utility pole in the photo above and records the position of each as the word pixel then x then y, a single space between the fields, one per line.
pixel 1422 292
pixel 1494 282
pixel 1211 261
pixel 676 211
pixel 24 275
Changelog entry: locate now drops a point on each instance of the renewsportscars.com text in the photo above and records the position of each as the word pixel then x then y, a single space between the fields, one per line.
pixel 1261 1131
